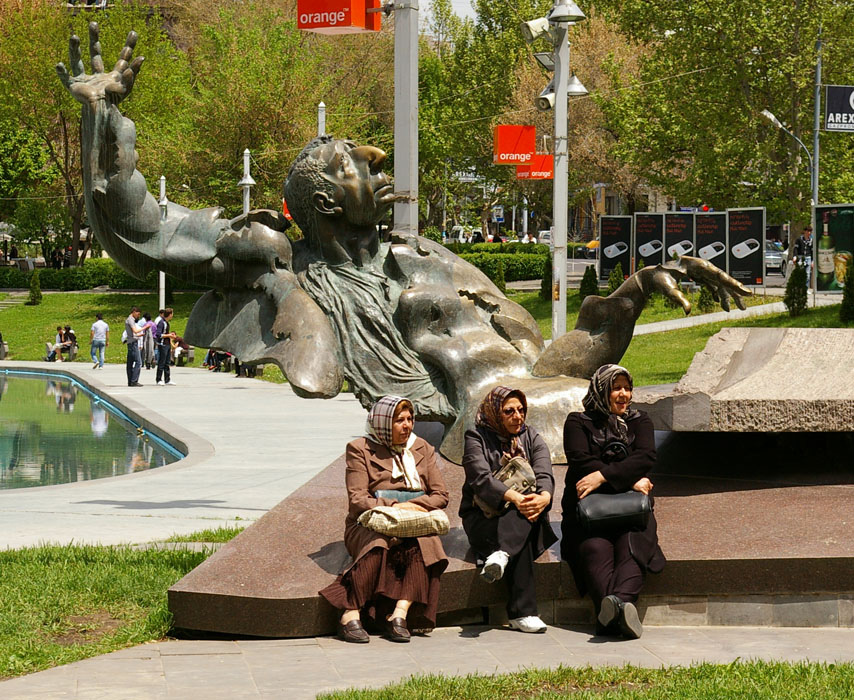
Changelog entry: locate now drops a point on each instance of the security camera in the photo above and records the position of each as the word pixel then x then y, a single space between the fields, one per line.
pixel 546 100
pixel 536 29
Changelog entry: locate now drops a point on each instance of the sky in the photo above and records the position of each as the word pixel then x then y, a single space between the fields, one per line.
pixel 463 8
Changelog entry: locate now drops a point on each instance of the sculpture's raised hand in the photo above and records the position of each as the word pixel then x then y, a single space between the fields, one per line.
pixel 664 278
pixel 99 86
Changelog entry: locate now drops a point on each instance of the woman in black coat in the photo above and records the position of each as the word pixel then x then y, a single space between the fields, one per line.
pixel 610 448
pixel 510 542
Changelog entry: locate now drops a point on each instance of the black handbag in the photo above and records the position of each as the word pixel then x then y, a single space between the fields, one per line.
pixel 609 513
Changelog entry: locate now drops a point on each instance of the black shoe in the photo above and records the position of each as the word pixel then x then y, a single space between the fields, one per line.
pixel 353 632
pixel 396 630
pixel 609 610
pixel 134 384
pixel 629 622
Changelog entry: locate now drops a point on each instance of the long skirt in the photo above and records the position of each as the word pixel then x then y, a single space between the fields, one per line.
pixel 381 577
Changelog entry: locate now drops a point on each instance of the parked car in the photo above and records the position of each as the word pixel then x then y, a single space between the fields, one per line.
pixel 775 257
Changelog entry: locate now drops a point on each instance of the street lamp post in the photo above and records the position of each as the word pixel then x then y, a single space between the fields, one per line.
pixel 813 174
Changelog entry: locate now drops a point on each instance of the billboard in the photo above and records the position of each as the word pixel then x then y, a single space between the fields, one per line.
pixel 834 241
pixel 746 245
pixel 338 16
pixel 615 245
pixel 839 108
pixel 649 238
pixel 678 235
pixel 513 144
pixel 710 237
pixel 541 167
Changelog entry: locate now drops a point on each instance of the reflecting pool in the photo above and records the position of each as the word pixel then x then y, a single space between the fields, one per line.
pixel 54 431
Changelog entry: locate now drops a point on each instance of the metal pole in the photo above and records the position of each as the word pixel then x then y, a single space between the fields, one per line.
pixel 561 181
pixel 815 134
pixel 161 276
pixel 246 183
pixel 321 119
pixel 406 115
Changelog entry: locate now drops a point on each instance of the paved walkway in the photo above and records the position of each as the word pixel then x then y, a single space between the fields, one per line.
pixel 298 669
pixel 251 444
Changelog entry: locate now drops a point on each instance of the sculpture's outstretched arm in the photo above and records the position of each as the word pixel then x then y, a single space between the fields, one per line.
pixel 604 327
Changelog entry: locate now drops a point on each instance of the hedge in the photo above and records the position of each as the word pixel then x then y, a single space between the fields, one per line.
pixel 515 247
pixel 93 273
pixel 515 267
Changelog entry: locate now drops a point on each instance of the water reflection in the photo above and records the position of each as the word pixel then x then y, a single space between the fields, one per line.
pixel 54 432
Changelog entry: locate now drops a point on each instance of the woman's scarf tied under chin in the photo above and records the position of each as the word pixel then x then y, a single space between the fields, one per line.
pixel 489 416
pixel 613 437
pixel 378 429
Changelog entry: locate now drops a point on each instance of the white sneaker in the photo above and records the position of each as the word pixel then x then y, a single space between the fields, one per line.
pixel 493 567
pixel 530 624
pixel 161 383
pixel 170 383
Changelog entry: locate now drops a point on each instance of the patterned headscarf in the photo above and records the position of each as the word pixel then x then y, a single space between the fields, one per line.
pixel 489 416
pixel 379 430
pixel 597 402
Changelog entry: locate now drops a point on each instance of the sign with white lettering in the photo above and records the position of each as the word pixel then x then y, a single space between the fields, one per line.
pixel 541 167
pixel 513 144
pixel 839 108
pixel 338 16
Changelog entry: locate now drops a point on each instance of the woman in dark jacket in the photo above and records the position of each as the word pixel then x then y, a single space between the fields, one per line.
pixel 510 542
pixel 610 448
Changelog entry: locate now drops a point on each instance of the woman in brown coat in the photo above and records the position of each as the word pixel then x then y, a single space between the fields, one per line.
pixel 393 582
pixel 610 448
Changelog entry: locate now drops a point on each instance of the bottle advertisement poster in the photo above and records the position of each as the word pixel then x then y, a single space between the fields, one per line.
pixel 678 235
pixel 615 245
pixel 746 243
pixel 649 238
pixel 833 235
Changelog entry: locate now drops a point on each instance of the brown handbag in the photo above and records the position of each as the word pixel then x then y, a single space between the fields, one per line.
pixel 516 474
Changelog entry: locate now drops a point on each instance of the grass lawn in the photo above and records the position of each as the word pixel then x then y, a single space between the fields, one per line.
pixel 757 680
pixel 60 604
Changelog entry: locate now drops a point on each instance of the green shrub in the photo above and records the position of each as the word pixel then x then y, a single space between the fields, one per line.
pixel 93 273
pixel 589 283
pixel 515 267
pixel 546 284
pixel 846 310
pixel 433 233
pixel 35 290
pixel 795 297
pixel 13 278
pixel 706 302
pixel 490 265
pixel 615 279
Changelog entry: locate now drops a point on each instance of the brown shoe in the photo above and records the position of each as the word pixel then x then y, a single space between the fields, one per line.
pixel 353 632
pixel 396 630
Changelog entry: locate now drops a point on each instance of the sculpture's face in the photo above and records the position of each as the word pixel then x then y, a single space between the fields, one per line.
pixel 401 427
pixel 363 190
pixel 513 415
pixel 620 396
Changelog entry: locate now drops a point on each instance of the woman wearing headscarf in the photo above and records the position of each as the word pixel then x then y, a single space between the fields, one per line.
pixel 610 448
pixel 510 542
pixel 393 582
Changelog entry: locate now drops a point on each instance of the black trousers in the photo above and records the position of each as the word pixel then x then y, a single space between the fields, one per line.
pixel 514 534
pixel 163 358
pixel 610 569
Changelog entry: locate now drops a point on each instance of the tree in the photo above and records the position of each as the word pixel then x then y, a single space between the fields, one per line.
pixel 795 297
pixel 589 283
pixel 615 278
pixel 35 297
pixel 691 119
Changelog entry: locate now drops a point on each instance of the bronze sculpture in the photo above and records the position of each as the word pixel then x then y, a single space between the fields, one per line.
pixel 403 316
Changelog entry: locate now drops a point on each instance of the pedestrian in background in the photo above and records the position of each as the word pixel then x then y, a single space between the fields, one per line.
pixel 99 339
pixel 133 334
pixel 163 337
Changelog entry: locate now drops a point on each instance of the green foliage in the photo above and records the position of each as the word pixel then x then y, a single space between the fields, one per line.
pixel 432 233
pixel 615 279
pixel 546 284
pixel 795 297
pixel 589 283
pixel 515 267
pixel 706 302
pixel 846 310
pixel 97 272
pixel 35 297
pixel 493 266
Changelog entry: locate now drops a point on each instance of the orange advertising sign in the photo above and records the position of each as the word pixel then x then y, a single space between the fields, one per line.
pixel 338 16
pixel 541 167
pixel 513 144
